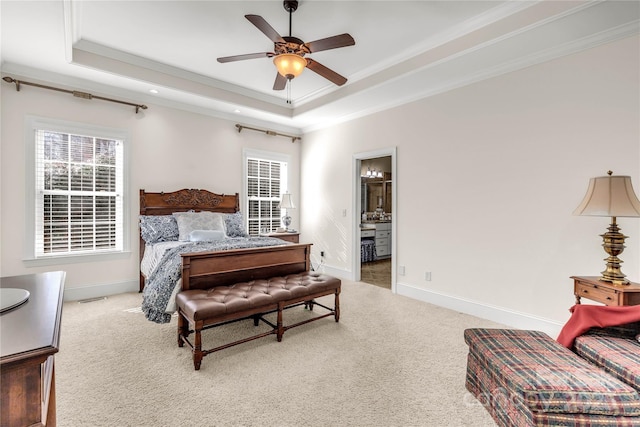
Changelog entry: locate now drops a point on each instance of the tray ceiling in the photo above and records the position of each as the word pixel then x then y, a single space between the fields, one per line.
pixel 404 51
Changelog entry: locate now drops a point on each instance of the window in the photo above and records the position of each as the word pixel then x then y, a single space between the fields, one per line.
pixel 266 180
pixel 78 190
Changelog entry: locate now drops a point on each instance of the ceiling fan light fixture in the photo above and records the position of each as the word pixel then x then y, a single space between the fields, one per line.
pixel 288 51
pixel 290 65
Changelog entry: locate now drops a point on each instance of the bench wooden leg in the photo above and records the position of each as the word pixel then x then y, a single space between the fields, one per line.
pixel 197 346
pixel 183 328
pixel 280 326
pixel 337 305
pixel 256 319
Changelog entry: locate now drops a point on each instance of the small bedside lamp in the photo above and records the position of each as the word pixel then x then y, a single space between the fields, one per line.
pixel 286 203
pixel 611 196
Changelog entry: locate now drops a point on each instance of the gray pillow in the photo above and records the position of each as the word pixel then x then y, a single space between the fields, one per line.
pixel 206 235
pixel 158 228
pixel 189 221
pixel 234 224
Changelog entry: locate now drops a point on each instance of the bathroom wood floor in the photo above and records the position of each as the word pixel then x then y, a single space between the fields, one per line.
pixel 377 273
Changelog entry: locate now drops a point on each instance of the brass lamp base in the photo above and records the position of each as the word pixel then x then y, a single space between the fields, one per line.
pixel 613 244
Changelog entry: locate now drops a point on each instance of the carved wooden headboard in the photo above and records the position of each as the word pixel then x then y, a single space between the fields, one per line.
pixel 185 200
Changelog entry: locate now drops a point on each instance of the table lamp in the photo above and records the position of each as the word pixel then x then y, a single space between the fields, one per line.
pixel 611 196
pixel 286 203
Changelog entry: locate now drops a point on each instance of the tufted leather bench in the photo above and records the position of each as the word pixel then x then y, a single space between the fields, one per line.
pixel 201 309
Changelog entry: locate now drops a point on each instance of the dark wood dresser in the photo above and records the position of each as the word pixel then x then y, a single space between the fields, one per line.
pixel 29 337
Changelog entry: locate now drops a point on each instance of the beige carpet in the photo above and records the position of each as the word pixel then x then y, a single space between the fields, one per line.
pixel 390 361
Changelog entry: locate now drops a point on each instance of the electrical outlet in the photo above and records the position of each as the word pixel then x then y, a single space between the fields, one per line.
pixel 322 254
pixel 401 270
pixel 427 276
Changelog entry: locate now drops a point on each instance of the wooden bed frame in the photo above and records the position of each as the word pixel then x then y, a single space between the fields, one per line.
pixel 203 270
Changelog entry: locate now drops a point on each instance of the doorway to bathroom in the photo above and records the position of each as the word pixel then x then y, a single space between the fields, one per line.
pixel 374 248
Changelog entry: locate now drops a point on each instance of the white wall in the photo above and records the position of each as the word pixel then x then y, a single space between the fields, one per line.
pixel 487 179
pixel 171 150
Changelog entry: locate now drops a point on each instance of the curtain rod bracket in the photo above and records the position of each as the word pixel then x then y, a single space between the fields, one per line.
pixel 11 80
pixel 83 95
pixel 294 138
pixel 76 93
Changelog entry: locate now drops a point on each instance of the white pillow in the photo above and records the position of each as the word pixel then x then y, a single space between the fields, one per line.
pixel 206 235
pixel 189 221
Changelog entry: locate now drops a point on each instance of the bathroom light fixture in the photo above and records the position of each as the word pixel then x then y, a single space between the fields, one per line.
pixel 373 173
pixel 611 196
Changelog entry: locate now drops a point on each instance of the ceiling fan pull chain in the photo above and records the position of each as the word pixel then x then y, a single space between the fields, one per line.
pixel 289 91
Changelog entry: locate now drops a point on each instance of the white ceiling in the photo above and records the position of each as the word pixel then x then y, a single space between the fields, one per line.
pixel 404 51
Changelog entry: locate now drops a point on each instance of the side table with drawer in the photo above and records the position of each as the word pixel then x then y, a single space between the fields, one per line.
pixel 593 288
pixel 288 236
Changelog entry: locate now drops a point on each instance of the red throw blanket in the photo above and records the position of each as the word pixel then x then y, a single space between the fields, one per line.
pixel 585 317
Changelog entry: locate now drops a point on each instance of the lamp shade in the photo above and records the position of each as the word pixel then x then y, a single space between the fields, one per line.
pixel 610 196
pixel 290 65
pixel 286 202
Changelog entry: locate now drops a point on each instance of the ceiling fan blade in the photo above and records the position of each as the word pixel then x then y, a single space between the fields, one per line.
pixel 246 56
pixel 334 42
pixel 264 26
pixel 280 83
pixel 325 72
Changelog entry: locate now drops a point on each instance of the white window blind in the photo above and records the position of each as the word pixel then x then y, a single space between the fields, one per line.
pixel 266 180
pixel 78 194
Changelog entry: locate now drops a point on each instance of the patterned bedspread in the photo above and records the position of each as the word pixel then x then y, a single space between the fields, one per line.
pixel 160 284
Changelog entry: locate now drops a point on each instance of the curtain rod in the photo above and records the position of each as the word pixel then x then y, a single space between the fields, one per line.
pixel 268 132
pixel 75 93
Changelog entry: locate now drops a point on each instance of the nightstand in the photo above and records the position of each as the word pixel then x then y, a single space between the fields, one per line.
pixel 605 292
pixel 289 237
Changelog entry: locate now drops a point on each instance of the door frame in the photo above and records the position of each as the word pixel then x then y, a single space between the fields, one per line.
pixel 357 209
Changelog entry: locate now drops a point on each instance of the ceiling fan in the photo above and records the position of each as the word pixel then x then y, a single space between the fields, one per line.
pixel 289 51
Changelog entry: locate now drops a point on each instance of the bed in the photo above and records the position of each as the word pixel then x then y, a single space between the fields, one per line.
pixel 182 247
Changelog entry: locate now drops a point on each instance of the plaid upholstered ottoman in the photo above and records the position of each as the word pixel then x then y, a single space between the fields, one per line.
pixel 526 378
pixel 619 356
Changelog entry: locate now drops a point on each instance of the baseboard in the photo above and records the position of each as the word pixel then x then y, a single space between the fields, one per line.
pixel 101 290
pixel 501 315
pixel 336 272
pixel 505 316
pixel 510 318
